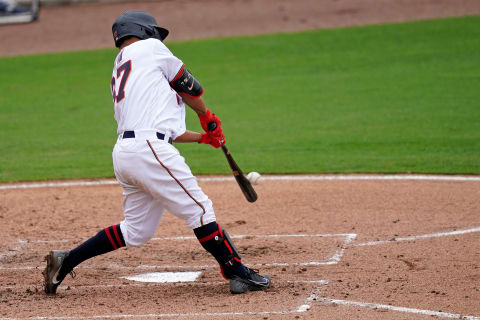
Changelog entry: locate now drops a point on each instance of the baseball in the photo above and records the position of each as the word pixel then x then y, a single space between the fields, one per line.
pixel 254 177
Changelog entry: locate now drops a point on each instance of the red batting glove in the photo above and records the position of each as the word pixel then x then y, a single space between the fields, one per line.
pixel 216 140
pixel 207 120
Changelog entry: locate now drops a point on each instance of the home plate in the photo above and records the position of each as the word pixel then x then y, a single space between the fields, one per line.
pixel 164 277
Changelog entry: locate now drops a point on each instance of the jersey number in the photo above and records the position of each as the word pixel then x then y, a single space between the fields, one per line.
pixel 122 73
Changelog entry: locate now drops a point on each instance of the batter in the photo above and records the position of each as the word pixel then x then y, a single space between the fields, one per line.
pixel 150 87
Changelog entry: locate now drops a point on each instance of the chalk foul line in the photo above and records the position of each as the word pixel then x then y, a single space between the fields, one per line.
pixel 394 308
pixel 393 177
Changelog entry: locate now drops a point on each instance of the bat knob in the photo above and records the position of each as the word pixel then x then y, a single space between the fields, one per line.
pixel 212 126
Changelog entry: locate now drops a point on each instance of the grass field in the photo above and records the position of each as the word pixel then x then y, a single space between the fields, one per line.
pixel 387 99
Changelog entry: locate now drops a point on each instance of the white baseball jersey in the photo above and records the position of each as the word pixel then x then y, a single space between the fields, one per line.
pixel 153 174
pixel 141 89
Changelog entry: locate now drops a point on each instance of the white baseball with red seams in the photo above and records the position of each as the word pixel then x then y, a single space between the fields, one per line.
pixel 254 177
pixel 153 174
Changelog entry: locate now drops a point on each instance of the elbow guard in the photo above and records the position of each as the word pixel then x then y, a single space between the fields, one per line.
pixel 186 83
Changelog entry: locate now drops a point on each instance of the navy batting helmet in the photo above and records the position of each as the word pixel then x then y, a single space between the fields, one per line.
pixel 138 24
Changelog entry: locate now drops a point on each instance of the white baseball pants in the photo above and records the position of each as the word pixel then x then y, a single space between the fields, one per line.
pixel 155 178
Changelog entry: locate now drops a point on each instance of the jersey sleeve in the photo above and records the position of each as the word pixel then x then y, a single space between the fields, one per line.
pixel 166 61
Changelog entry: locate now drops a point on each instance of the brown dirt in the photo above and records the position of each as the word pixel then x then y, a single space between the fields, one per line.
pixel 438 274
pixel 88 26
pixel 432 274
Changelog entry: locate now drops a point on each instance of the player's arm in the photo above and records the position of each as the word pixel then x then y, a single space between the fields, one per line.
pixel 185 84
pixel 196 103
pixel 189 136
pixel 216 140
pixel 190 90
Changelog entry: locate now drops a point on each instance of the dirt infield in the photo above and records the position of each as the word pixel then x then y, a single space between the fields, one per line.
pixel 335 248
pixel 328 245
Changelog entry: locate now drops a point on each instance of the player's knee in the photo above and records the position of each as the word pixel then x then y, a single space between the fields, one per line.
pixel 203 217
pixel 135 237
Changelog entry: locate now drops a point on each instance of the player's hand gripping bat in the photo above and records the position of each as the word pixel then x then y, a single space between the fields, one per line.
pixel 242 181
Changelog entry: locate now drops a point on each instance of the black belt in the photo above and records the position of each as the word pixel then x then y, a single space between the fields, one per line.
pixel 131 134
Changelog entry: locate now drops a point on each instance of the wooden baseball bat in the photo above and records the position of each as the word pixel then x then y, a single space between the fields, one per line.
pixel 242 181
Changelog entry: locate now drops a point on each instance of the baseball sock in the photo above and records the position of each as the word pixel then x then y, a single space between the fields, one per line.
pixel 106 240
pixel 212 239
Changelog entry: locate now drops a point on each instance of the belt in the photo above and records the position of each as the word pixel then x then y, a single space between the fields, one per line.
pixel 131 134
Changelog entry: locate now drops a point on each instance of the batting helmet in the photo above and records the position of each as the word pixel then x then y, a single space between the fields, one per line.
pixel 138 24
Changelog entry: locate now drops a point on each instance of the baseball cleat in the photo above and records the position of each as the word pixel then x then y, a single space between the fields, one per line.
pixel 55 261
pixel 253 282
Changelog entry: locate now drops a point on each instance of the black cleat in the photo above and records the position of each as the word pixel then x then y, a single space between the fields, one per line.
pixel 253 282
pixel 55 261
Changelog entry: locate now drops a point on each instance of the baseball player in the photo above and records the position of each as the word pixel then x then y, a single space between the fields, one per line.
pixel 149 88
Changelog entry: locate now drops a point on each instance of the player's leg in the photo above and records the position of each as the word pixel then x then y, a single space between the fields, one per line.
pixel 182 196
pixel 60 262
pixel 216 240
pixel 142 216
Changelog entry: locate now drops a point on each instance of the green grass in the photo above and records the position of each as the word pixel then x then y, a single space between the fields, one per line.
pixel 388 98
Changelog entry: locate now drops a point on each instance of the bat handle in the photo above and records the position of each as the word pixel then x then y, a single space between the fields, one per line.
pixel 212 126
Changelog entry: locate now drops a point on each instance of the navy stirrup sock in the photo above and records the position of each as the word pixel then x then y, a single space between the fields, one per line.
pixel 106 240
pixel 212 239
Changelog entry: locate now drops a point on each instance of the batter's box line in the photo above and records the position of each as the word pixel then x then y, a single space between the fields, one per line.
pixel 418 237
pixel 334 259
pixel 377 306
pixel 305 306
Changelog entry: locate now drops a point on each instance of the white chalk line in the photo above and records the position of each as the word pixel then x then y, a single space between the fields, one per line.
pixel 44 241
pixel 394 308
pixel 102 182
pixel 314 296
pixel 418 237
pixel 306 305
pixel 119 267
pixel 175 267
pixel 334 259
pixel 337 256
pixel 246 236
pixel 12 251
pixel 241 236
